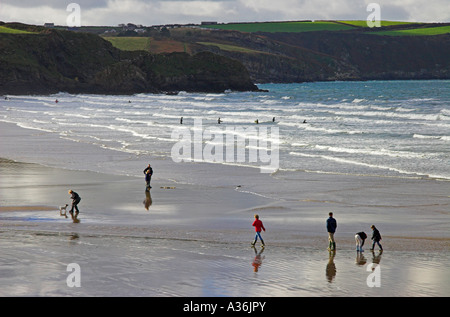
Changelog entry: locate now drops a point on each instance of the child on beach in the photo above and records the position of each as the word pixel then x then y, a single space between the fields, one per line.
pixel 258 226
pixel 360 237
pixel 376 237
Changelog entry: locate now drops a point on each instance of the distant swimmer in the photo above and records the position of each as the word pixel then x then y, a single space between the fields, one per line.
pixel 304 121
pixel 219 121
pixel 181 120
pixel 273 119
pixel 256 121
pixel 56 101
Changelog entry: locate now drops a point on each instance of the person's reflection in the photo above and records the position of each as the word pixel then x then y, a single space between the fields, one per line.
pixel 75 217
pixel 148 200
pixel 257 261
pixel 74 236
pixel 360 259
pixel 331 267
pixel 376 258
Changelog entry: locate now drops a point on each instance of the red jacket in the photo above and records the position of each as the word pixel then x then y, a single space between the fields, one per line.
pixel 258 225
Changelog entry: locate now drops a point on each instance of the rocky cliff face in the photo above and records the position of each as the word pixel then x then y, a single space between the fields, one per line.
pixel 368 57
pixel 56 61
pixel 324 56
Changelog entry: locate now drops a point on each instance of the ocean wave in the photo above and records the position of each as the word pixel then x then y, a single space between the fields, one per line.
pixel 433 137
pixel 359 126
pixel 369 165
pixel 374 152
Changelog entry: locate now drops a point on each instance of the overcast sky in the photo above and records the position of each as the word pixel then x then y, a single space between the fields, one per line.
pixel 153 12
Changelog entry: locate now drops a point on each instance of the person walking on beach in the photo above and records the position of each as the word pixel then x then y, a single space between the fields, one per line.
pixel 148 175
pixel 331 228
pixel 148 178
pixel 376 237
pixel 360 237
pixel 75 201
pixel 258 226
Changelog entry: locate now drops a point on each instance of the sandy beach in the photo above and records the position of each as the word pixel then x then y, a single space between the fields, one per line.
pixel 184 239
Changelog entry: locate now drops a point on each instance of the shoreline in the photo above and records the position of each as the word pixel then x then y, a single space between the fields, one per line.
pixel 358 196
pixel 194 239
pixel 163 217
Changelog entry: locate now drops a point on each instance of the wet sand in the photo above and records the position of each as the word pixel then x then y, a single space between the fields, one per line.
pixel 194 240
pixel 178 248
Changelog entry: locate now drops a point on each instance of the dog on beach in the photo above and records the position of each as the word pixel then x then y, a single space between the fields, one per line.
pixel 61 208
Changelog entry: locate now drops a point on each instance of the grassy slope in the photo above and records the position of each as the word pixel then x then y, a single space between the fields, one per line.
pixel 4 29
pixel 170 45
pixel 130 43
pixel 363 23
pixel 282 26
pixel 230 48
pixel 417 31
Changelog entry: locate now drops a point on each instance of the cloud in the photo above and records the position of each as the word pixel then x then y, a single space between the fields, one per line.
pixel 150 12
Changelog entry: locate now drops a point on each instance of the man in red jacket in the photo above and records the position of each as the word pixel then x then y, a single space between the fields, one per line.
pixel 258 226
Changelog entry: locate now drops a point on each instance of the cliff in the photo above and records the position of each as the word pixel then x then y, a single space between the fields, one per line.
pixel 49 61
pixel 327 55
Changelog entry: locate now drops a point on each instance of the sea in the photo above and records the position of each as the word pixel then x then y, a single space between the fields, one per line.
pixel 380 128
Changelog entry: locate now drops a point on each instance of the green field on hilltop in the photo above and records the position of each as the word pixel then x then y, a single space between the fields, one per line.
pixel 130 43
pixel 416 31
pixel 230 48
pixel 272 27
pixel 363 23
pixel 4 29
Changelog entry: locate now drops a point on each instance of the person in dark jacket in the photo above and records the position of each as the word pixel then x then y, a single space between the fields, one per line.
pixel 376 237
pixel 148 175
pixel 360 238
pixel 75 201
pixel 331 228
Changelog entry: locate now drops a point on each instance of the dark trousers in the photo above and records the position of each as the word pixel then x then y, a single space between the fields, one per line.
pixel 74 205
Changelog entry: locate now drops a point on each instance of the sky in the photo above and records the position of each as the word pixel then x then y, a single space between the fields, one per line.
pixel 155 12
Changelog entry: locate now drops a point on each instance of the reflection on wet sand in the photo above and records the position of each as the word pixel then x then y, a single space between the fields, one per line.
pixel 376 258
pixel 148 200
pixel 331 267
pixel 360 259
pixel 74 217
pixel 74 236
pixel 257 261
